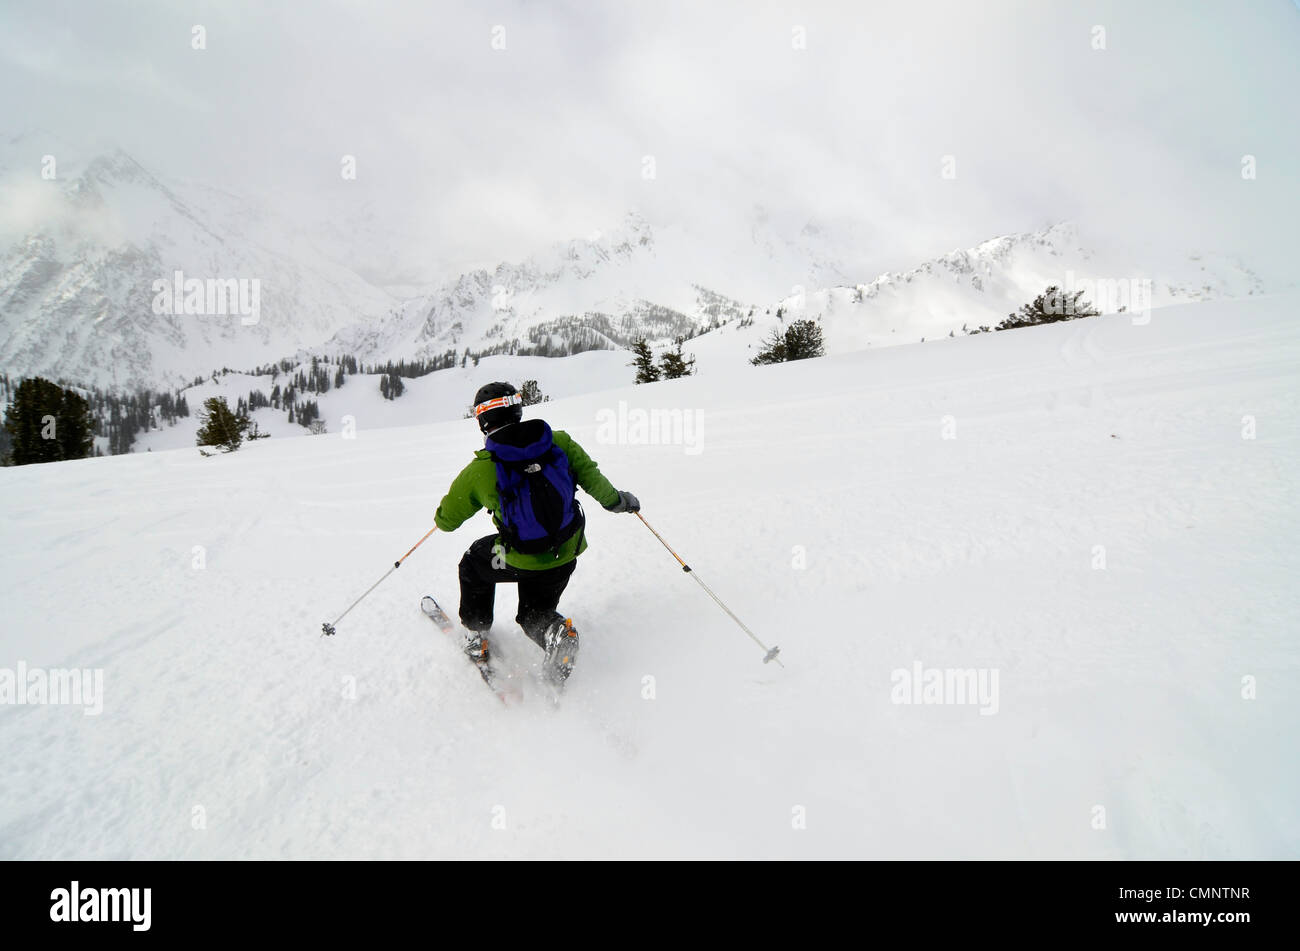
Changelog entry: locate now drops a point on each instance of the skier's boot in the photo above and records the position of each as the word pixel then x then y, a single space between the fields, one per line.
pixel 561 639
pixel 476 646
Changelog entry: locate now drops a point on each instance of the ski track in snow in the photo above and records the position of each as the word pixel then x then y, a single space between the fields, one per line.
pixel 1119 688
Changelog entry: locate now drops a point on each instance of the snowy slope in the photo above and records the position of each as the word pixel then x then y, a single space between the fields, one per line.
pixel 1119 689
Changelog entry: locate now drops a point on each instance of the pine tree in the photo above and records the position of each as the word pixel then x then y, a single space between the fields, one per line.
pixel 802 340
pixel 219 427
pixel 772 350
pixel 48 423
pixel 308 413
pixel 673 365
pixel 644 361
pixel 531 393
pixel 1049 307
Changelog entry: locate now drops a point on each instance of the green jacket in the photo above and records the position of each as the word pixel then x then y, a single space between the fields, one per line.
pixel 476 488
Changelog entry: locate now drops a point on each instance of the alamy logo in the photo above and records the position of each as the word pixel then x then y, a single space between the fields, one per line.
pixel 654 427
pixel 1113 295
pixel 946 685
pixel 102 904
pixel 210 296
pixel 36 685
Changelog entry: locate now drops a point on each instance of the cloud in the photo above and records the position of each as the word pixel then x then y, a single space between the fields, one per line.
pixel 842 112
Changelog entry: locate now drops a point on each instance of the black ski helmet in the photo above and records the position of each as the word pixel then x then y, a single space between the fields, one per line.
pixel 497 405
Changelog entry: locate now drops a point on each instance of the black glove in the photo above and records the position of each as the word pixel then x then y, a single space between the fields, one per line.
pixel 627 502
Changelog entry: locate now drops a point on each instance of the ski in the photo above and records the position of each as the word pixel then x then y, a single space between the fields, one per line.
pixel 435 613
pixel 553 677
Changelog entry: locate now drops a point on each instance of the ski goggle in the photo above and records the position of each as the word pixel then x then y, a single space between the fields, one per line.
pixel 514 399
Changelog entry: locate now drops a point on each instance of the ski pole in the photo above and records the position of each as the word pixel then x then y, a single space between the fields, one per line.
pixel 770 654
pixel 328 628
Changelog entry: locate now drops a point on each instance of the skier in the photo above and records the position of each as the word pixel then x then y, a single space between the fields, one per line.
pixel 525 476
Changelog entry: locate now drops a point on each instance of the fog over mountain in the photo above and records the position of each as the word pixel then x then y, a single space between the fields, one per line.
pixel 483 135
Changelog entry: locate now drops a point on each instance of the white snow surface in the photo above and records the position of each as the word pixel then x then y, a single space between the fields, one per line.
pixel 1146 709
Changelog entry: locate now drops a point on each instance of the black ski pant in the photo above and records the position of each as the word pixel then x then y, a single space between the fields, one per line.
pixel 482 569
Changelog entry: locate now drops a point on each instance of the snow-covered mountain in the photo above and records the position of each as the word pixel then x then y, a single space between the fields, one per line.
pixel 598 292
pixel 80 255
pixel 81 251
pixel 966 289
pixel 639 280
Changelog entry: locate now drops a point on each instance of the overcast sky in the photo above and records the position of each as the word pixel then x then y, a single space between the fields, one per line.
pixel 486 153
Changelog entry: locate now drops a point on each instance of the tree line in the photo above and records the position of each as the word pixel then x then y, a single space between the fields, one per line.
pixel 48 421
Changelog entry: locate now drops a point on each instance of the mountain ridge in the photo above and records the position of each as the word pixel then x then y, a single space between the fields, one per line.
pixel 80 260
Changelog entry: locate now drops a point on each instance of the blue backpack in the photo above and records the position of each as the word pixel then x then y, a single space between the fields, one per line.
pixel 539 509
